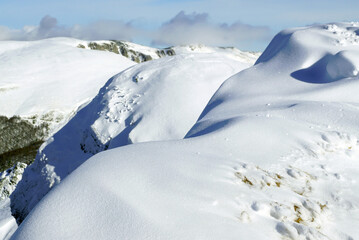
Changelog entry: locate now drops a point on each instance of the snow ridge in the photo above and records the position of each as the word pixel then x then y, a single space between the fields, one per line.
pixel 134 106
pixel 274 155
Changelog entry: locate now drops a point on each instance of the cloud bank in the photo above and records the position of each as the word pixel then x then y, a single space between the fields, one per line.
pixel 181 29
pixel 197 28
pixel 48 28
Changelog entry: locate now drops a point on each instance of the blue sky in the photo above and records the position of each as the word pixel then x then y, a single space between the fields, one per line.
pixel 247 24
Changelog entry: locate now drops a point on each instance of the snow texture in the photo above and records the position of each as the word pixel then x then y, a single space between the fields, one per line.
pixel 46 82
pixel 274 155
pixel 52 77
pixel 156 100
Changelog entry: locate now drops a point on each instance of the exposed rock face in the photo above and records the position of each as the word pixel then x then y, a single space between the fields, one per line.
pixel 19 140
pixel 111 47
pixel 129 50
pixel 166 52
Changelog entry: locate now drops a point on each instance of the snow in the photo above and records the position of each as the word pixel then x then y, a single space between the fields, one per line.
pixel 142 49
pixel 47 80
pixel 7 222
pixel 230 52
pixel 152 101
pixel 10 178
pixel 274 155
pixel 52 76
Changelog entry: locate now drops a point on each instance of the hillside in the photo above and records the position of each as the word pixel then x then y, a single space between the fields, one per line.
pixel 42 86
pixel 152 101
pixel 139 53
pixel 274 155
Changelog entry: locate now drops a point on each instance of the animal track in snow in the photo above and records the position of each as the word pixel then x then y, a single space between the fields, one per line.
pixel 303 196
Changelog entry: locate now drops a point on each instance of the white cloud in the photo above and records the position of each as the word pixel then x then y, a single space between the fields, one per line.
pixel 196 28
pixel 181 29
pixel 49 27
pixel 105 30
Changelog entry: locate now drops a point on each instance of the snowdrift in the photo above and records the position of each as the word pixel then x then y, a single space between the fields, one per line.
pixel 42 84
pixel 157 100
pixel 274 155
pixel 52 75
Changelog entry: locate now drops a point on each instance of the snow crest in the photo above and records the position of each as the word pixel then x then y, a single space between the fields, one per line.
pixel 274 155
pixel 156 100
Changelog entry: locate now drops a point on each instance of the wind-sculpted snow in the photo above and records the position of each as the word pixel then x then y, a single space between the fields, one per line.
pixel 42 84
pixel 274 155
pixel 42 76
pixel 328 54
pixel 158 100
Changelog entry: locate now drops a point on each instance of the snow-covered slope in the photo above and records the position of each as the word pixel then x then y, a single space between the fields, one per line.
pixel 230 52
pixel 42 84
pixel 274 155
pixel 50 75
pixel 43 81
pixel 157 100
pixel 139 53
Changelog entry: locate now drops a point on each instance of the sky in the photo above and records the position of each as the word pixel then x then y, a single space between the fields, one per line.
pixel 245 24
